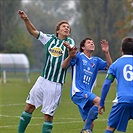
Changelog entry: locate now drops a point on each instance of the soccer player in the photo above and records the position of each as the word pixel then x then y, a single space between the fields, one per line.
pixel 122 71
pixel 84 71
pixel 47 90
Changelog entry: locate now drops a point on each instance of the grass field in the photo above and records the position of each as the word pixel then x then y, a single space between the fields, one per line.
pixel 66 119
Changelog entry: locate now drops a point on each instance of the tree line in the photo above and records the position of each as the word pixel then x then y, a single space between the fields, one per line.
pixel 103 19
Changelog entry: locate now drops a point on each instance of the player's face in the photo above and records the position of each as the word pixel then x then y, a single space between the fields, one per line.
pixel 64 31
pixel 89 45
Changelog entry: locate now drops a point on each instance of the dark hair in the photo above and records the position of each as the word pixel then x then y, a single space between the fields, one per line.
pixel 59 24
pixel 127 45
pixel 83 43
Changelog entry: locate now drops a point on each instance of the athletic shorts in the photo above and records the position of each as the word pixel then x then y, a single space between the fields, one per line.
pixel 119 116
pixel 46 94
pixel 84 101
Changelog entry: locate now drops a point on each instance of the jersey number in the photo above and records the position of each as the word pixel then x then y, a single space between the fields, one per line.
pixel 128 74
pixel 86 79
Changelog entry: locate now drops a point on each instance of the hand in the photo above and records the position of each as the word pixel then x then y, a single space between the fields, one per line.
pixel 105 46
pixel 73 51
pixel 66 44
pixel 22 15
pixel 101 109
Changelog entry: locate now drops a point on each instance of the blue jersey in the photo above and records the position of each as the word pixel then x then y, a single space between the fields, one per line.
pixel 84 72
pixel 122 70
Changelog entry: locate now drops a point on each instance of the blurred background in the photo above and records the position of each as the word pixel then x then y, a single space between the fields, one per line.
pixel 22 56
pixel 98 19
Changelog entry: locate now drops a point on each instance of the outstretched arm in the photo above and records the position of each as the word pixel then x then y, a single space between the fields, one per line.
pixel 105 49
pixel 105 89
pixel 30 27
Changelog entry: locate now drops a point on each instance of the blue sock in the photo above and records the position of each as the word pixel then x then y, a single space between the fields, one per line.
pixel 92 115
pixel 108 131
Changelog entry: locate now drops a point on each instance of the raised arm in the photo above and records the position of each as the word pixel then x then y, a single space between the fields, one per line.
pixel 30 27
pixel 105 49
pixel 66 62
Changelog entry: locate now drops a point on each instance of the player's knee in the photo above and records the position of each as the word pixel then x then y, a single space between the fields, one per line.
pixel 96 101
pixel 48 118
pixel 29 108
pixel 110 128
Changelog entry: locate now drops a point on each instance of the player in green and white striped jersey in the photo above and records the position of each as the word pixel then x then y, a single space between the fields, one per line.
pixel 55 54
pixel 47 90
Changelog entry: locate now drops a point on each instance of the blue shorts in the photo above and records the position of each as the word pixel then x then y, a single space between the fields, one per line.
pixel 84 101
pixel 119 116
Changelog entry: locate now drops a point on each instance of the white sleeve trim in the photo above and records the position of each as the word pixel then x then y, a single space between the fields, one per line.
pixel 44 38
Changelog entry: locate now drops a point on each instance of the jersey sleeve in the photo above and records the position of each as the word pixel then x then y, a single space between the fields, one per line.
pixel 105 90
pixel 102 64
pixel 74 60
pixel 111 70
pixel 44 38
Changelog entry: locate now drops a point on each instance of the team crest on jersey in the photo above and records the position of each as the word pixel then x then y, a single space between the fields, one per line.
pixel 56 51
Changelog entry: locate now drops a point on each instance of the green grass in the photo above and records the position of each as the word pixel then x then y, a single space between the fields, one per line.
pixel 66 119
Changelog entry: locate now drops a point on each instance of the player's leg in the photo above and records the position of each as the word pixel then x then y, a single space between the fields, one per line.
pixel 118 118
pixel 33 99
pixel 109 129
pixel 48 124
pixel 84 102
pixel 92 125
pixel 92 114
pixel 51 98
pixel 25 118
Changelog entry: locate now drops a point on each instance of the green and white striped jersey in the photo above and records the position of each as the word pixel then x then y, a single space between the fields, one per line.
pixel 56 52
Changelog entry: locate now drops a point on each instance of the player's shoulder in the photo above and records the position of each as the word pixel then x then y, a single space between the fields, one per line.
pixel 80 54
pixel 50 35
pixel 120 59
pixel 71 40
pixel 96 58
pixel 116 63
pixel 41 34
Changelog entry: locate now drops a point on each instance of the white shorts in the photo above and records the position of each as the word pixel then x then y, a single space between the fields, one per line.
pixel 45 93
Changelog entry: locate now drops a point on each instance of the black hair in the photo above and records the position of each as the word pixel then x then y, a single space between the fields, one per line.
pixel 83 42
pixel 127 45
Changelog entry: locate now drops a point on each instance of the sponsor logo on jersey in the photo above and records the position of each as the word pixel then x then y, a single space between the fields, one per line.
pixel 56 51
pixel 87 71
